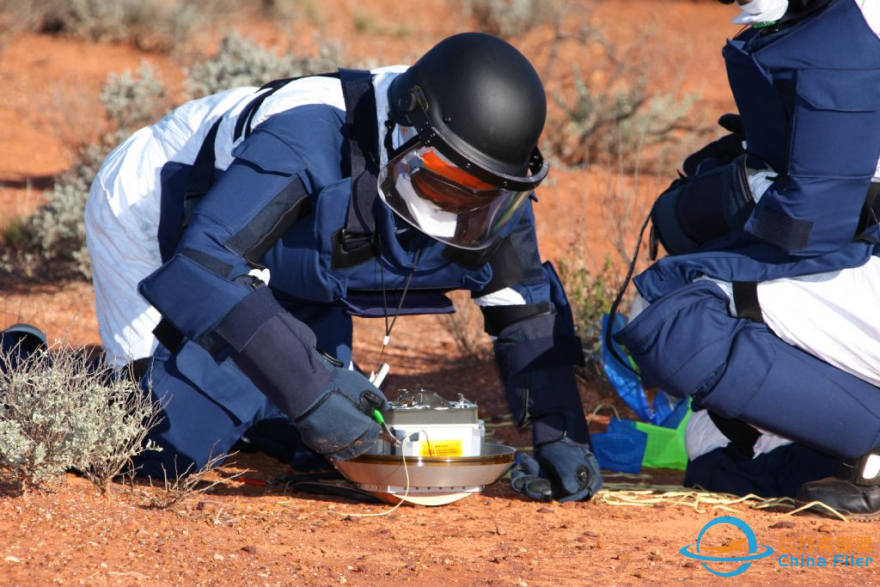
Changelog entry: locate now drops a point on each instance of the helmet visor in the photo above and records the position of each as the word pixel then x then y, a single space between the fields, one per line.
pixel 445 202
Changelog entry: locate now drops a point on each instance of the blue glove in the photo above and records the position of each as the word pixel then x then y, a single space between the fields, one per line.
pixel 719 152
pixel 564 470
pixel 339 424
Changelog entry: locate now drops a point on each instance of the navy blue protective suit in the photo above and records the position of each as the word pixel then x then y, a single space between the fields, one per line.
pixel 235 354
pixel 808 92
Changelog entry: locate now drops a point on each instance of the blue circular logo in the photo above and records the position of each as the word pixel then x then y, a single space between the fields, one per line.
pixel 745 560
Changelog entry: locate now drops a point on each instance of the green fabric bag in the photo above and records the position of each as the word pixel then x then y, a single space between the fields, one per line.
pixel 665 448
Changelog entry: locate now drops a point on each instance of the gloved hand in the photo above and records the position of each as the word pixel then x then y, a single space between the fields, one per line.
pixel 564 470
pixel 719 152
pixel 339 424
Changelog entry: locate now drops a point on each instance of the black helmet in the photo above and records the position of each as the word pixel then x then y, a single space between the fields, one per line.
pixel 477 108
pixel 479 102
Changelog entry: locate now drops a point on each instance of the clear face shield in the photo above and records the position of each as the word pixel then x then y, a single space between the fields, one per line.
pixel 445 202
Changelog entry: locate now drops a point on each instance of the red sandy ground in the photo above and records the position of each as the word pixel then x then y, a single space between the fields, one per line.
pixel 240 534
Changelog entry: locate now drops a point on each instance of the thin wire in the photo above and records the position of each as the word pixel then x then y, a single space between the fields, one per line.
pixel 405 493
pixel 389 328
pixel 613 311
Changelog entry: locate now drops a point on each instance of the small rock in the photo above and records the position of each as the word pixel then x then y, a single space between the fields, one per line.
pixel 689 565
pixel 826 529
pixel 218 557
pixel 782 525
pixel 544 511
pixel 349 519
pixel 500 530
pixel 12 559
pixel 250 549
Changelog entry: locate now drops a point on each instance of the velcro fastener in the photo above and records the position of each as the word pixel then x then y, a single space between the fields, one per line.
pixel 247 317
pixel 497 318
pixel 781 230
pixel 257 237
pixel 541 353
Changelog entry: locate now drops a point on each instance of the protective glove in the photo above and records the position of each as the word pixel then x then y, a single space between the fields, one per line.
pixel 719 152
pixel 695 210
pixel 339 424
pixel 564 470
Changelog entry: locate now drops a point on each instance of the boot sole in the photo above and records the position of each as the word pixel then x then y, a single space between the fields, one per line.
pixel 825 513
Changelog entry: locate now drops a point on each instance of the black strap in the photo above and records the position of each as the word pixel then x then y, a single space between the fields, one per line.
pixel 497 318
pixel 742 436
pixel 745 298
pixel 870 209
pixel 363 141
pixel 201 178
pixel 243 125
pixel 168 335
pixel 138 368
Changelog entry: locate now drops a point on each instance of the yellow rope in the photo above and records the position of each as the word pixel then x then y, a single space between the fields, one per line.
pixel 642 495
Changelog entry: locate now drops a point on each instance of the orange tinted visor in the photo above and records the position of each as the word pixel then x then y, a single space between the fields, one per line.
pixel 436 164
pixel 447 196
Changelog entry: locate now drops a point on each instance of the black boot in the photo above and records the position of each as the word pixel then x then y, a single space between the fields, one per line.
pixel 854 491
pixel 18 343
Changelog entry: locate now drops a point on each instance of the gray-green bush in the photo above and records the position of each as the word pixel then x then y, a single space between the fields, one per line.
pixel 511 18
pixel 57 229
pixel 466 328
pixel 242 62
pixel 55 233
pixel 617 125
pixel 57 413
pixel 153 25
pixel 590 294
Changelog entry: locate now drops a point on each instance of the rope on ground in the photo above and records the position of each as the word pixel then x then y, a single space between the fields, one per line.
pixel 648 495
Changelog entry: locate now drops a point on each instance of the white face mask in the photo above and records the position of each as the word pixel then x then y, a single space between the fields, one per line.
pixel 761 11
pixel 429 218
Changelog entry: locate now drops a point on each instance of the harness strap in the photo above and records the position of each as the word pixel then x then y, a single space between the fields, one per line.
pixel 356 239
pixel 246 117
pixel 202 176
pixel 745 297
pixel 870 209
pixel 742 436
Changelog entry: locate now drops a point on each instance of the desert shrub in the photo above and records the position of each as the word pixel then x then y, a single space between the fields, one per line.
pixel 590 294
pixel 310 10
pixel 155 25
pixel 617 124
pixel 510 18
pixel 241 62
pixel 58 411
pixel 466 328
pixel 180 486
pixel 55 233
pixel 56 230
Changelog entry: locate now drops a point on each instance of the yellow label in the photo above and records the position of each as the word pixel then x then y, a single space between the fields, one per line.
pixel 441 448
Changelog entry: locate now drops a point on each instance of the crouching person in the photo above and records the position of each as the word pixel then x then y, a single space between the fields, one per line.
pixel 764 314
pixel 233 241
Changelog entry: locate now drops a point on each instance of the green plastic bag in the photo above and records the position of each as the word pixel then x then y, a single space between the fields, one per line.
pixel 665 448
